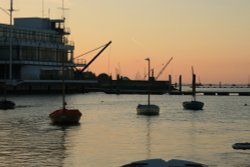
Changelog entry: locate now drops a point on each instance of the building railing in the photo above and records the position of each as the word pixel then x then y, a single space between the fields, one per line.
pixel 46 63
pixel 80 62
pixel 36 36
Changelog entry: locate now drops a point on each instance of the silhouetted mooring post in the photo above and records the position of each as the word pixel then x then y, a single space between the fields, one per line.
pixel 180 83
pixel 170 83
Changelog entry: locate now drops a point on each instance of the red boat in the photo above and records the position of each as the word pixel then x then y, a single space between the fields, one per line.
pixel 65 116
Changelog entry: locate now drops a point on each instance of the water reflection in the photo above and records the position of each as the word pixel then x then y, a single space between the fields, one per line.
pixel 111 133
pixel 192 133
pixel 29 140
pixel 148 138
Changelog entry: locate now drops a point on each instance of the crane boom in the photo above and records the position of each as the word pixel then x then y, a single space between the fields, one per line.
pixel 164 67
pixel 91 61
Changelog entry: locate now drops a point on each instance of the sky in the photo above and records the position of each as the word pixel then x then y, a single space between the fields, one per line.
pixel 213 36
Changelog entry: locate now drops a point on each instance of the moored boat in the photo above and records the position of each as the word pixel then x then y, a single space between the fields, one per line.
pixel 241 146
pixel 65 116
pixel 193 104
pixel 150 109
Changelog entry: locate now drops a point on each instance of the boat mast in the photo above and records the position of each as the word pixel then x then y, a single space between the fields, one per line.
pixel 63 62
pixel 193 84
pixel 63 85
pixel 147 59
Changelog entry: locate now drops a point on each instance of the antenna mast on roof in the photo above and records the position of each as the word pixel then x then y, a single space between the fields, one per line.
pixel 63 10
pixel 49 12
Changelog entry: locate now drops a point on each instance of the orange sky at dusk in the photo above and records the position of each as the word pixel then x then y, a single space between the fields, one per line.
pixel 211 35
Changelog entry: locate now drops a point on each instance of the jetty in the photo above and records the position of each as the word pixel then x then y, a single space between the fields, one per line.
pixel 211 89
pixel 212 93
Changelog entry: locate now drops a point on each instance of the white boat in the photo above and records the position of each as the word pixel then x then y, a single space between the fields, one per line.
pixel 163 163
pixel 193 104
pixel 148 109
pixel 241 146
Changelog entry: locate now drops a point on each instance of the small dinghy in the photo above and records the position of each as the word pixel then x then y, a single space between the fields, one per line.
pixel 241 146
pixel 163 163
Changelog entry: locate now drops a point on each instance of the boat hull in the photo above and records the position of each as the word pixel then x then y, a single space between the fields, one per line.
pixel 6 104
pixel 163 163
pixel 241 146
pixel 65 116
pixel 147 109
pixel 193 105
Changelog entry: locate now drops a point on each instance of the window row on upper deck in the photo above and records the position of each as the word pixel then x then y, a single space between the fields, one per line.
pixel 43 36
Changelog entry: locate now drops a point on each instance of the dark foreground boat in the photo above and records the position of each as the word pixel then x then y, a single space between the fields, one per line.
pixel 65 116
pixel 7 104
pixel 163 163
pixel 241 146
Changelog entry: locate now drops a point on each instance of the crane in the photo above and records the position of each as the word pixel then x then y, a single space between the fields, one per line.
pixel 78 72
pixel 164 67
pixel 93 59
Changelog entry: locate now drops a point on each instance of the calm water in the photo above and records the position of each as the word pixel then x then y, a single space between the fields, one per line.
pixel 111 134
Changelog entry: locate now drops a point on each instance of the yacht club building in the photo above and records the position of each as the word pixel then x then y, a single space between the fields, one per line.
pixel 39 48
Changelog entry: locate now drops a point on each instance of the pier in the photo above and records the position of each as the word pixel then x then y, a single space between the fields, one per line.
pixel 212 89
pixel 212 93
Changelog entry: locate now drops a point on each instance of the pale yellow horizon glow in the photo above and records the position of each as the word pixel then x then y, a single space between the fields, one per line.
pixel 211 35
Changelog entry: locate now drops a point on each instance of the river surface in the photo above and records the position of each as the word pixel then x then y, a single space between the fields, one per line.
pixel 111 134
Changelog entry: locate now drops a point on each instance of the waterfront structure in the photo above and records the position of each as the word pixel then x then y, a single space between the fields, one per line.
pixel 39 46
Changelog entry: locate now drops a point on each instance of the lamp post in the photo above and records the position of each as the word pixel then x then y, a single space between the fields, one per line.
pixel 10 36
